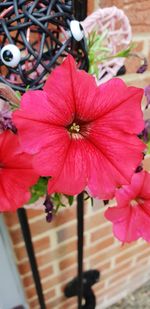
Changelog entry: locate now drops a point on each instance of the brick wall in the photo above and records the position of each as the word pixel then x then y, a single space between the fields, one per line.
pixel 123 268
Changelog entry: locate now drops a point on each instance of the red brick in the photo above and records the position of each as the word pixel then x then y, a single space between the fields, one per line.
pixel 67 262
pixel 60 279
pixel 104 255
pixel 21 253
pixel 34 303
pixel 131 252
pixel 66 233
pixel 11 219
pixel 30 292
pixel 16 236
pixel 34 213
pixel 119 273
pixel 39 227
pixel 90 7
pixel 139 21
pixel 55 303
pixel 24 267
pixel 27 281
pixel 41 244
pixel 61 251
pixel 46 271
pixel 49 294
pixel 64 216
pixel 100 246
pixel 94 221
pixel 101 232
pixel 69 303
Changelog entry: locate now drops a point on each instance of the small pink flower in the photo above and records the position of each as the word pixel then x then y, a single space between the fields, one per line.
pixel 131 216
pixel 81 135
pixel 16 173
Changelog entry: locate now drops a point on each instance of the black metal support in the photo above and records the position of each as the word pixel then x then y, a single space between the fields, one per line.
pixel 90 277
pixel 80 12
pixel 80 231
pixel 80 9
pixel 30 250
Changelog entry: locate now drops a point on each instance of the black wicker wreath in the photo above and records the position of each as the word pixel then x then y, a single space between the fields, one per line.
pixel 35 36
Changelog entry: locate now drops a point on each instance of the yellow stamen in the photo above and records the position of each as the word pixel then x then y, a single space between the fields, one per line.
pixel 75 128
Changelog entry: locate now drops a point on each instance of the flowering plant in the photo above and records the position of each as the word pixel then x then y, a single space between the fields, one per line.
pixel 70 137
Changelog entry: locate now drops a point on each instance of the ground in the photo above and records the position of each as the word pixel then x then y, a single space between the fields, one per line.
pixel 140 299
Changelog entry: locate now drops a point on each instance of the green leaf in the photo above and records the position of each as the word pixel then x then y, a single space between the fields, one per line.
pixel 70 199
pixel 148 147
pixel 38 190
pixel 27 88
pixel 18 94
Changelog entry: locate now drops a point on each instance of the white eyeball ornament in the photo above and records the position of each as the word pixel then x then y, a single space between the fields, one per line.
pixel 76 30
pixel 10 55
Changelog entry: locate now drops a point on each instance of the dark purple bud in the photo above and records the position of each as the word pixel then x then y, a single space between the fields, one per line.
pixel 147 94
pixel 143 67
pixel 49 217
pixel 139 169
pixel 146 132
pixel 48 204
pixel 144 154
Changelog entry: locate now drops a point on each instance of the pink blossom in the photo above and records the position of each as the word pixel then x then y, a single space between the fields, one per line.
pixel 16 173
pixel 81 135
pixel 131 216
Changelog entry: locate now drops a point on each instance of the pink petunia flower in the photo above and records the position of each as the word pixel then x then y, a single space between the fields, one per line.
pixel 16 173
pixel 81 135
pixel 131 216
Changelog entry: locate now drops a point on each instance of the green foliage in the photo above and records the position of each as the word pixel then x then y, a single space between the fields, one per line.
pixel 18 94
pixel 125 52
pixel 58 199
pixel 148 147
pixel 38 190
pixel 98 51
pixel 27 88
pixel 61 200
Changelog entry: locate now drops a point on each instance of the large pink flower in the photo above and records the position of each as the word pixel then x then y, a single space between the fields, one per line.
pixel 131 216
pixel 80 134
pixel 16 173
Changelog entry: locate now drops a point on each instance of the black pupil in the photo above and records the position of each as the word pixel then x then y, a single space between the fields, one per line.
pixel 7 55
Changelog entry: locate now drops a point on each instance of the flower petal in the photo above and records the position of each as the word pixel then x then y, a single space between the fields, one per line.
pixel 50 159
pixel 16 173
pixel 35 135
pixel 40 106
pixel 73 176
pixel 124 223
pixel 117 214
pixel 115 101
pixel 77 87
pixel 130 192
pixel 143 221
pixel 145 188
pixel 117 147
pixel 126 231
pixel 117 112
pixel 14 187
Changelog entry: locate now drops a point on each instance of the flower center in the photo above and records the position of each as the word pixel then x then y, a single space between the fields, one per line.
pixel 136 202
pixel 74 128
